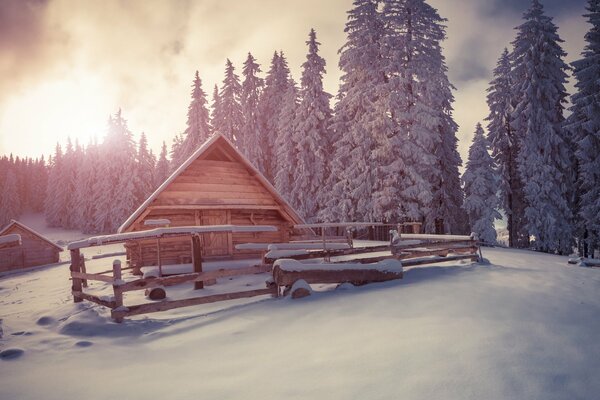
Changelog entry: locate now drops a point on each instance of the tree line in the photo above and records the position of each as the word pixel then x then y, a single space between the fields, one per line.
pixel 544 167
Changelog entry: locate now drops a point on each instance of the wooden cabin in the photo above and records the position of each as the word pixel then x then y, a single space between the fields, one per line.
pixel 33 249
pixel 216 185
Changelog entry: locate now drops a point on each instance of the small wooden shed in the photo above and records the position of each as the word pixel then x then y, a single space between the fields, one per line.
pixel 216 185
pixel 33 248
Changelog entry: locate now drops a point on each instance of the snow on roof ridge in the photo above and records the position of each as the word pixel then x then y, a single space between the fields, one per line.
pixel 187 163
pixel 15 222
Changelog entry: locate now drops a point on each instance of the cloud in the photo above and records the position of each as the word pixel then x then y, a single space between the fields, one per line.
pixel 29 46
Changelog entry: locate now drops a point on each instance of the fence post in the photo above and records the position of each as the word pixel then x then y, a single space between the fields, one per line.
pixel 117 287
pixel 197 259
pixel 75 267
pixel 84 270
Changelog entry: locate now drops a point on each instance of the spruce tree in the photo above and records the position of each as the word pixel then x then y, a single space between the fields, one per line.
pixel 145 167
pixel 56 196
pixel 115 188
pixel 9 199
pixel 84 195
pixel 584 126
pixel 285 151
pixel 249 100
pixel 228 115
pixel 539 75
pixel 480 186
pixel 311 135
pixel 352 179
pixel 505 146
pixel 277 83
pixel 419 159
pixel 162 167
pixel 215 108
pixel 198 128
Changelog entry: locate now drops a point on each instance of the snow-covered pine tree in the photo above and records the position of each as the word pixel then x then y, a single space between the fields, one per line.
pixel 277 83
pixel 539 75
pixel 39 185
pixel 72 160
pixel 285 151
pixel 311 135
pixel 56 196
pixel 584 125
pixel 419 160
pixel 351 179
pixel 162 167
pixel 505 146
pixel 9 199
pixel 84 196
pixel 145 167
pixel 115 187
pixel 176 152
pixel 228 114
pixel 198 128
pixel 480 185
pixel 249 100
pixel 215 108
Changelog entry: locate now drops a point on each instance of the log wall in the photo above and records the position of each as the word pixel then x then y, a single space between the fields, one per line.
pixel 32 252
pixel 177 250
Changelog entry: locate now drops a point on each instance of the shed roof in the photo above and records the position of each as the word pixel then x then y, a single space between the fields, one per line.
pixel 216 139
pixel 14 223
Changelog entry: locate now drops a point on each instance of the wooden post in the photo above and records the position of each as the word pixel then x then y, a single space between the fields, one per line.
pixel 75 265
pixel 349 237
pixel 197 259
pixel 117 287
pixel 158 257
pixel 324 244
pixel 84 270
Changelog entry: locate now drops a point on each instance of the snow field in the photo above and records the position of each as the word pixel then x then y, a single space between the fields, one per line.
pixel 523 327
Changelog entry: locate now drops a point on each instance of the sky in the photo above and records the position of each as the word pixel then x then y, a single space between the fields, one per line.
pixel 66 65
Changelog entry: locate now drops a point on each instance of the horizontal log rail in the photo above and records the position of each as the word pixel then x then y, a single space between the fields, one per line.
pixel 128 311
pixel 92 277
pixel 145 283
pixel 94 299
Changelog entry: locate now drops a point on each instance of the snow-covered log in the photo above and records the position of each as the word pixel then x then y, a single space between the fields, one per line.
pixel 288 271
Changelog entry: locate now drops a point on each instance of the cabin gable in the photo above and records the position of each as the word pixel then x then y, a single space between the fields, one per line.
pixel 217 185
pixel 34 249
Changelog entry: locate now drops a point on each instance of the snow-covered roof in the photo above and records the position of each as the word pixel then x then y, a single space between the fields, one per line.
pixel 213 139
pixel 28 229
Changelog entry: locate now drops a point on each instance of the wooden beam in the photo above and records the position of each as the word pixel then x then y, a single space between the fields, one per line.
pixel 92 277
pixel 197 259
pixel 117 288
pixel 214 207
pixel 169 305
pixel 94 299
pixel 140 284
pixel 76 286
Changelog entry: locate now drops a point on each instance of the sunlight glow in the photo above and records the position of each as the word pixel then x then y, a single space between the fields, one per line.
pixel 72 107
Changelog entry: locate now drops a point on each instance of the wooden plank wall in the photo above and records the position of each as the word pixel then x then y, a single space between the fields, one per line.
pixel 32 252
pixel 178 250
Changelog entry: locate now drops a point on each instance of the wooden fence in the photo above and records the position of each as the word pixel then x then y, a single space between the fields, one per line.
pixel 119 286
pixel 411 249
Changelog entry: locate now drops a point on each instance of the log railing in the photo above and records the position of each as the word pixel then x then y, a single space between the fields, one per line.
pixel 119 286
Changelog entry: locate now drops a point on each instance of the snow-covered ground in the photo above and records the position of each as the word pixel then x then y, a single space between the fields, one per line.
pixel 525 326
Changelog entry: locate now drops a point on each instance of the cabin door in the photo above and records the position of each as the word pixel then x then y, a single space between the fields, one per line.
pixel 215 244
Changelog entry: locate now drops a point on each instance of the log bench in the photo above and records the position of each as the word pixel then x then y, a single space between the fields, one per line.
pixel 286 272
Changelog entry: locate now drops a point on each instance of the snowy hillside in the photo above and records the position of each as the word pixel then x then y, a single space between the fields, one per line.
pixel 524 327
